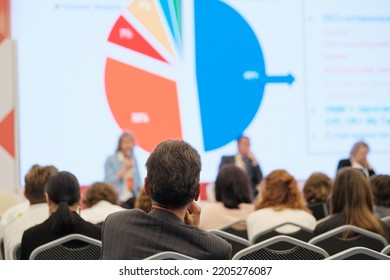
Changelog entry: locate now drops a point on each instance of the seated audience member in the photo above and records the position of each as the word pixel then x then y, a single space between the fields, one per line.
pixel 101 199
pixel 63 197
pixel 121 170
pixel 380 185
pixel 316 191
pixel 14 212
pixel 352 204
pixel 358 159
pixel 7 200
pixel 233 200
pixel 38 211
pixel 172 182
pixel 143 201
pixel 246 160
pixel 10 208
pixel 280 202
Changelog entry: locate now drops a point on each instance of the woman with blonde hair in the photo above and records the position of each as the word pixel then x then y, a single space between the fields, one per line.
pixel 280 202
pixel 352 204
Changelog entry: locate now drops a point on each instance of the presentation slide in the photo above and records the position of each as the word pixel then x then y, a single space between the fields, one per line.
pixel 304 79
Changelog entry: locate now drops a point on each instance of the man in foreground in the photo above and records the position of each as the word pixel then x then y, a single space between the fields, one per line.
pixel 172 181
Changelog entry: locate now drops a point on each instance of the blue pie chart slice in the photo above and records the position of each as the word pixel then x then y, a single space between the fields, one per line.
pixel 230 72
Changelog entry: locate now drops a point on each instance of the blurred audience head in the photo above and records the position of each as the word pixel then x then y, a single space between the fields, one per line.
pixel 63 196
pixel 317 188
pixel 100 191
pixel 173 174
pixel 280 191
pixel 380 185
pixel 232 187
pixel 351 197
pixel 350 191
pixel 143 201
pixel 35 181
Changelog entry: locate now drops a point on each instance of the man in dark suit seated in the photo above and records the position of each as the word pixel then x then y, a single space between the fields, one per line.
pixel 172 182
pixel 246 160
pixel 358 159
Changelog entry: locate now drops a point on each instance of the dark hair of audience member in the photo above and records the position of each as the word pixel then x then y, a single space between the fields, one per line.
pixel 380 185
pixel 352 197
pixel 232 187
pixel 100 191
pixel 64 190
pixel 35 181
pixel 280 191
pixel 317 187
pixel 173 174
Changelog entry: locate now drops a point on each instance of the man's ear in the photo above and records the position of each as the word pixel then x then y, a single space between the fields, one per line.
pixel 197 193
pixel 146 186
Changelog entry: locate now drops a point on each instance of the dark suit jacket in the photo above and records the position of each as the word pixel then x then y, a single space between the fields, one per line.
pixel 42 234
pixel 347 163
pixel 254 172
pixel 134 234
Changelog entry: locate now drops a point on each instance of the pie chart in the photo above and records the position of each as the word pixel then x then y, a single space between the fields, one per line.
pixel 230 71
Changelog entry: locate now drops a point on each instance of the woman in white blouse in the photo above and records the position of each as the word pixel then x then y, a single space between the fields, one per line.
pixel 281 201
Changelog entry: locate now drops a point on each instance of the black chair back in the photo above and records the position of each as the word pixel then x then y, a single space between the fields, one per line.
pixel 298 250
pixel 333 242
pixel 69 247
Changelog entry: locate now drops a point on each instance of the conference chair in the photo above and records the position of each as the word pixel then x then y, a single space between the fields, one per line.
pixel 238 243
pixel 16 254
pixel 69 247
pixel 333 243
pixel 237 228
pixel 169 255
pixel 301 233
pixel 1 248
pixel 298 250
pixel 386 250
pixel 319 210
pixel 386 220
pixel 358 253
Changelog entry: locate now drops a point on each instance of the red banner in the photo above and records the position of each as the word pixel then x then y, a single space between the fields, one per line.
pixel 4 19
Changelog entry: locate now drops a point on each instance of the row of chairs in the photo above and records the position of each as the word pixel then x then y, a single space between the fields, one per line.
pixel 276 248
pixel 330 241
pixel 300 251
pixel 239 228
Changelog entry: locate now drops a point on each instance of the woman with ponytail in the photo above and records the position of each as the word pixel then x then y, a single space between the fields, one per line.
pixel 280 202
pixel 351 203
pixel 63 197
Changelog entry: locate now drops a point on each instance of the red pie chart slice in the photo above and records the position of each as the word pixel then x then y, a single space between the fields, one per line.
pixel 125 35
pixel 145 103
